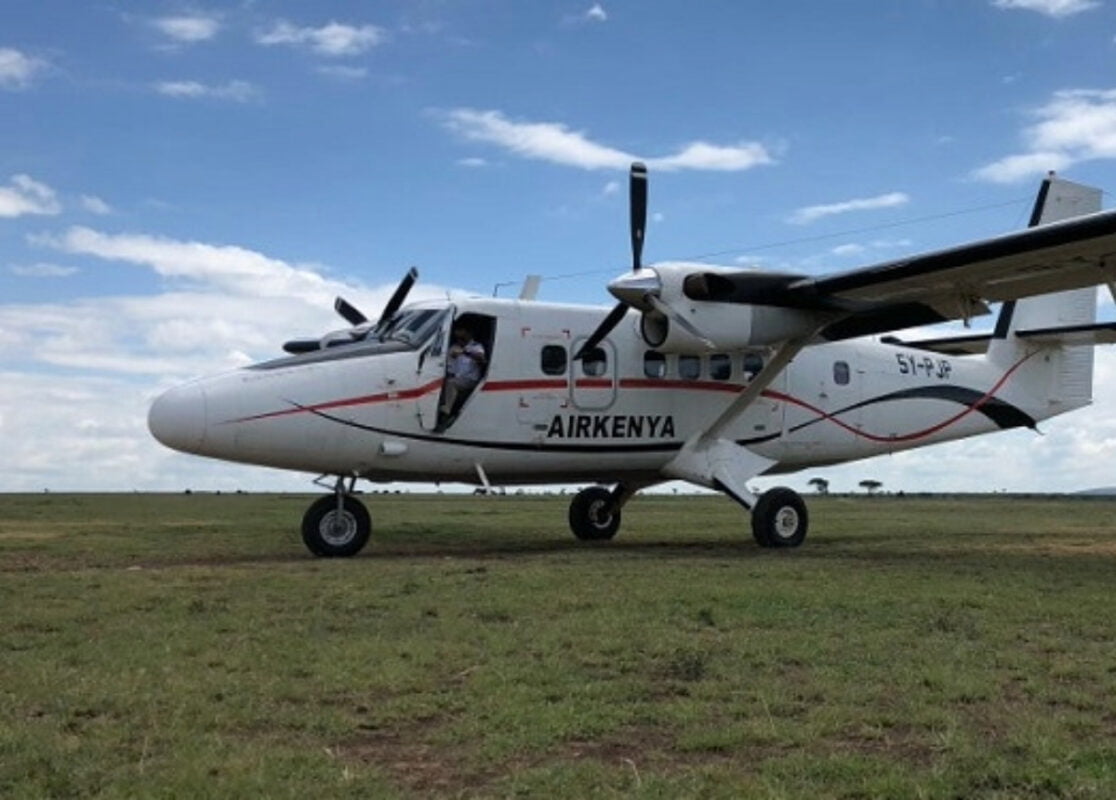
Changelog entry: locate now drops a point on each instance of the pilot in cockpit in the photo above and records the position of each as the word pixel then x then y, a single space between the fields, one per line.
pixel 465 364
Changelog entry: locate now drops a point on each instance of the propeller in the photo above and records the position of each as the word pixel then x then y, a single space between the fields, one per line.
pixel 637 203
pixel 637 216
pixel 397 297
pixel 350 312
pixel 356 318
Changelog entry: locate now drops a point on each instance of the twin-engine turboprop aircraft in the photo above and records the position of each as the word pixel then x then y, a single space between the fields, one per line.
pixel 707 374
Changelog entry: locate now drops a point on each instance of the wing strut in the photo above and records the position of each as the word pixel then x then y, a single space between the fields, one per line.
pixel 709 459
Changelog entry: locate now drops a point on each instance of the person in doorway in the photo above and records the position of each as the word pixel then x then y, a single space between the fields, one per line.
pixel 464 366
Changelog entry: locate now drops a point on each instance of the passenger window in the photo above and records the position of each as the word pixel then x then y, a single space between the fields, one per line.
pixel 654 364
pixel 720 366
pixel 753 363
pixel 841 372
pixel 553 359
pixel 594 363
pixel 689 367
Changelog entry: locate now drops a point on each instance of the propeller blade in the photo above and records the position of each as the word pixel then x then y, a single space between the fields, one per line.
pixel 398 297
pixel 638 211
pixel 296 346
pixel 681 321
pixel 604 329
pixel 349 312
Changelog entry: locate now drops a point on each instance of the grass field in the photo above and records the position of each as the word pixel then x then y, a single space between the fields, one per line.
pixel 183 646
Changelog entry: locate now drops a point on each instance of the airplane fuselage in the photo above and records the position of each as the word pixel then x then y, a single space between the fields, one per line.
pixel 541 416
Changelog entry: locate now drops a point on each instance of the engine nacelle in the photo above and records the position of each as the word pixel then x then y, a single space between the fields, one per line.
pixel 728 325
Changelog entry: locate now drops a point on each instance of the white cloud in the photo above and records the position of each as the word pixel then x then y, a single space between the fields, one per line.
pixel 1051 8
pixel 236 91
pixel 612 187
pixel 1075 125
pixel 189 29
pixel 95 205
pixel 42 270
pixel 1019 167
pixel 808 214
pixel 228 266
pixel 18 70
pixel 27 196
pixel 596 13
pixel 702 155
pixel 554 142
pixel 333 39
pixel 472 162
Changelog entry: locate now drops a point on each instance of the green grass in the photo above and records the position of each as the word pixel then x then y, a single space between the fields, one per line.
pixel 179 646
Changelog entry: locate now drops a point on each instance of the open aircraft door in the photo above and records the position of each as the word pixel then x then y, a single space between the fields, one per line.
pixel 431 366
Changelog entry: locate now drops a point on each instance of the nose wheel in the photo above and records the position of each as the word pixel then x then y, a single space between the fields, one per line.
pixel 594 514
pixel 336 526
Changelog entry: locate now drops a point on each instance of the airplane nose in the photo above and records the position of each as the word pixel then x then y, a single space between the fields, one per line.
pixel 177 418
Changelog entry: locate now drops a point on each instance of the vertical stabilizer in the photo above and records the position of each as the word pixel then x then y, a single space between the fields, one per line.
pixel 1070 380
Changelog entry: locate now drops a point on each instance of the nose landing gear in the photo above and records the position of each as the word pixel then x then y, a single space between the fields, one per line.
pixel 337 525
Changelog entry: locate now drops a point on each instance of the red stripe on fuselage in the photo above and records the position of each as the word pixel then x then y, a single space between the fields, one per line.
pixel 524 385
pixel 369 399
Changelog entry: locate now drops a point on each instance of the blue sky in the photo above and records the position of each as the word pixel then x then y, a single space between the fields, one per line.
pixel 185 185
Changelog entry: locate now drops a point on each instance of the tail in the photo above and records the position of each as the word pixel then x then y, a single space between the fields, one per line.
pixel 1058 373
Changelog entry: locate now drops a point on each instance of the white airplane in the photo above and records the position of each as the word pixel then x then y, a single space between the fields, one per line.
pixel 711 375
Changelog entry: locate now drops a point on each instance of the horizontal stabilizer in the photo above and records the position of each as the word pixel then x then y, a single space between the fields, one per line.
pixel 968 345
pixel 1072 335
pixel 975 344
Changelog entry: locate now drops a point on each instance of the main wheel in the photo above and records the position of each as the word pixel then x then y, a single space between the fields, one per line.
pixel 593 515
pixel 330 534
pixel 779 518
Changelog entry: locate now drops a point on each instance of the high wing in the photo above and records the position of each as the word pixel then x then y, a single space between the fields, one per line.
pixel 956 283
pixel 689 308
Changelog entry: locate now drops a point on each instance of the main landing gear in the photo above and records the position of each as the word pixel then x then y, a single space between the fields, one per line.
pixel 337 525
pixel 779 516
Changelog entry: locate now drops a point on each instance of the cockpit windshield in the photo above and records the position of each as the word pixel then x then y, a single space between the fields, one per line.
pixel 412 327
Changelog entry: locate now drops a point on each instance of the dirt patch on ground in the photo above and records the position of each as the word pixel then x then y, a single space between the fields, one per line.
pixel 415 764
pixel 1069 547
pixel 412 762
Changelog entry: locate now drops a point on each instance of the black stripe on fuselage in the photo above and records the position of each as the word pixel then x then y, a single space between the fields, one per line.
pixel 655 447
pixel 1004 414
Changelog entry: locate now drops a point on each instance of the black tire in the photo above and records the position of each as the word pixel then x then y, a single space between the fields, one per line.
pixel 328 536
pixel 593 515
pixel 780 518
